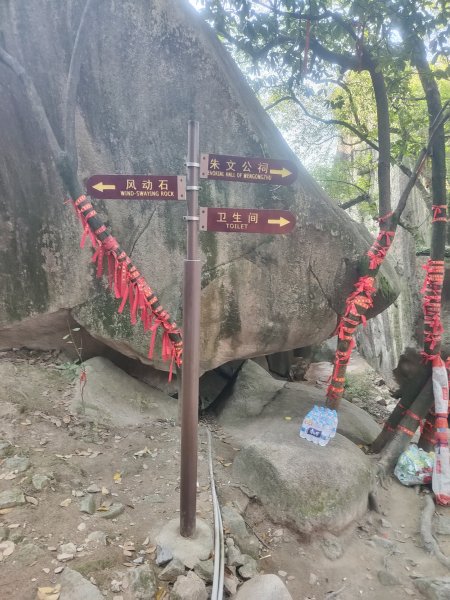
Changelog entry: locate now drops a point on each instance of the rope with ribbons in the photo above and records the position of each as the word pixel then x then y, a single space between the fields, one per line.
pixel 356 307
pixel 129 285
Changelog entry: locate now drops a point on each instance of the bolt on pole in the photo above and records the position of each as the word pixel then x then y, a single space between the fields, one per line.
pixel 191 334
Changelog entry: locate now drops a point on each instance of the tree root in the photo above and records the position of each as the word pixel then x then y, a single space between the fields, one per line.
pixel 426 532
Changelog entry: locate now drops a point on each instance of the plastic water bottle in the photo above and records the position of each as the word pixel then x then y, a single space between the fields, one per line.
pixel 307 423
pixel 335 424
pixel 326 429
pixel 315 429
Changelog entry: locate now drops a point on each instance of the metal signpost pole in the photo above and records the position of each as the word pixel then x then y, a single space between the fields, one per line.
pixel 191 335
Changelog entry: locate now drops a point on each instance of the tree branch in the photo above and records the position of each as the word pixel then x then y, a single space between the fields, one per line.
pixel 441 118
pixel 349 183
pixel 357 200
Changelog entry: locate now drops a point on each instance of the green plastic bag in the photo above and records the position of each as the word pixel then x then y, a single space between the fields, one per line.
pixel 415 466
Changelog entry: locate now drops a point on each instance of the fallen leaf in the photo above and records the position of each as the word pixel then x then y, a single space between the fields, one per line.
pixel 117 477
pixel 5 511
pixel 105 491
pixel 228 464
pixel 161 594
pixel 65 503
pixel 10 476
pixel 49 593
pixel 288 418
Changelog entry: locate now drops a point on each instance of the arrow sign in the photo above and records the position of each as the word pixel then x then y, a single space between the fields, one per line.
pixel 247 170
pixel 137 187
pixel 246 220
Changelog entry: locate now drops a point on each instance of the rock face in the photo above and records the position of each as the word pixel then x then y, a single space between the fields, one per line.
pixel 277 399
pixel 112 396
pixel 307 486
pixel 76 586
pixel 264 587
pixel 261 294
pixel 310 487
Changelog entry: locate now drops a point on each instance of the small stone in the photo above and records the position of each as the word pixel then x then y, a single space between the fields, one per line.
pixel 387 578
pixel 46 570
pixel 249 569
pixel 264 586
pixel 230 583
pixel 143 583
pixel 189 587
pixel 98 538
pixel 18 464
pixel 40 482
pixel 11 498
pixel 65 557
pixel 331 547
pixel 58 570
pixel 172 571
pixel 163 555
pixel 114 511
pixel 291 578
pixel 88 505
pixel 94 489
pixel 234 556
pixel 116 586
pixel 76 587
pixel 205 570
pixel 235 524
pixel 282 573
pixel 81 527
pixel 385 523
pixel 313 579
pixel 68 548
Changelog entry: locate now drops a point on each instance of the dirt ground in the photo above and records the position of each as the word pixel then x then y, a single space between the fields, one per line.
pixel 139 468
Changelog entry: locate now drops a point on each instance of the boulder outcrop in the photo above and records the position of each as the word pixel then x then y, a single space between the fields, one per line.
pixel 129 79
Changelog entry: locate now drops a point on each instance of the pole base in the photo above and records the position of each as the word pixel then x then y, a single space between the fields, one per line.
pixel 188 550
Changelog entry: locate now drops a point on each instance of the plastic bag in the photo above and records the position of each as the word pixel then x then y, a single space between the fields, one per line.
pixel 415 466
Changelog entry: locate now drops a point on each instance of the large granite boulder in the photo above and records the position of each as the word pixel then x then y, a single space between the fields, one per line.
pixel 139 72
pixel 258 404
pixel 310 487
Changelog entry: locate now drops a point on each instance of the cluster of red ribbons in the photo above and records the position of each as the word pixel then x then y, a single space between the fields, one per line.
pixel 129 285
pixel 432 293
pixel 357 304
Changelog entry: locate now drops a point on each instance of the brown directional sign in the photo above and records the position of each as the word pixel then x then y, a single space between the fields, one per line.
pixel 247 170
pixel 246 220
pixel 137 187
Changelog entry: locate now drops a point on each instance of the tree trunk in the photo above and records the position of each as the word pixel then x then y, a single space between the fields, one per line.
pixel 394 443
